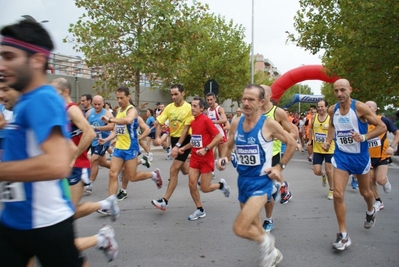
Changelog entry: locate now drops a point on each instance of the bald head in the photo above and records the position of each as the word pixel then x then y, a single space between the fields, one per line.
pixel 61 84
pixel 372 105
pixel 98 103
pixel 342 82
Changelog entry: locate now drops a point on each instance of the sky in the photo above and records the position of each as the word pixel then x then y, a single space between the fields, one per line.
pixel 271 21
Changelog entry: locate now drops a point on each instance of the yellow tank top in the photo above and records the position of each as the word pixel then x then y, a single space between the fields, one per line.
pixel 276 143
pixel 320 130
pixel 124 132
pixel 378 145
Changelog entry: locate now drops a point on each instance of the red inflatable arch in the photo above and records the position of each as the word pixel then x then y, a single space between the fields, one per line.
pixel 294 76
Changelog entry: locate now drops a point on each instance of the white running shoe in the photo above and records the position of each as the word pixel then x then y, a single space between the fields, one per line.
pixel 158 179
pixel 387 187
pixel 379 205
pixel 114 210
pixel 196 215
pixel 226 188
pixel 267 256
pixel 111 247
pixel 150 156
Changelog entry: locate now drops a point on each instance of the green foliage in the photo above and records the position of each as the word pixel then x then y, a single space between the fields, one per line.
pixel 360 42
pixel 168 41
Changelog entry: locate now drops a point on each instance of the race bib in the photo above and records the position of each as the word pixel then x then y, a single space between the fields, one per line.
pixel 374 142
pixel 120 129
pixel 12 192
pixel 320 137
pixel 344 138
pixel 196 140
pixel 248 155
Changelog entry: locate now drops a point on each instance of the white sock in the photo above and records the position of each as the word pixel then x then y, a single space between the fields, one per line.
pixel 344 234
pixel 154 175
pixel 370 212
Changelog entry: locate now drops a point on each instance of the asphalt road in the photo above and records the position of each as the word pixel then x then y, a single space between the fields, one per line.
pixel 304 228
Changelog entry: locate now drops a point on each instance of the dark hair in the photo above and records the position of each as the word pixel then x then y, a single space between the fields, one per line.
pixel 88 97
pixel 151 111
pixel 29 31
pixel 107 103
pixel 123 89
pixel 325 102
pixel 211 94
pixel 201 101
pixel 178 86
pixel 313 106
pixel 260 88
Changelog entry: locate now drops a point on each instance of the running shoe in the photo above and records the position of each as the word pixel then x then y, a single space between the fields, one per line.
pixel 150 156
pixel 114 210
pixel 354 183
pixel 158 179
pixel 145 161
pixel 341 243
pixel 370 220
pixel 268 225
pixel 387 187
pixel 276 186
pixel 310 159
pixel 266 251
pixel 226 188
pixel 111 247
pixel 324 179
pixel 159 204
pixel 378 205
pixel 196 215
pixel 88 189
pixel 330 195
pixel 285 193
pixel 121 195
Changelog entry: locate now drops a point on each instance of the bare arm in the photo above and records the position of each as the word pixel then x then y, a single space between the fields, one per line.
pixel 365 112
pixel 2 120
pixel 331 129
pixel 282 118
pixel 130 116
pixel 145 130
pixel 311 130
pixel 223 116
pixel 109 126
pixel 88 133
pixel 51 165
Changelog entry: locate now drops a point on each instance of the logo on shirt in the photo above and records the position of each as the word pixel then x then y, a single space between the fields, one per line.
pixel 251 140
pixel 343 120
pixel 241 138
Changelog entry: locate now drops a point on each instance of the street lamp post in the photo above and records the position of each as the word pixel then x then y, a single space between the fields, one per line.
pixel 299 102
pixel 252 44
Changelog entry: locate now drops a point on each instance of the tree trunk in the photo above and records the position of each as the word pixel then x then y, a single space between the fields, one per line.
pixel 137 90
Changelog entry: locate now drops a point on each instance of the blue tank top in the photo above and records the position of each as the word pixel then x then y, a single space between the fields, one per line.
pixel 95 120
pixel 343 125
pixel 2 134
pixel 254 152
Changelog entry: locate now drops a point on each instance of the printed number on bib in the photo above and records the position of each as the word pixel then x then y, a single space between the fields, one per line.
pixel 344 138
pixel 374 142
pixel 12 192
pixel 196 140
pixel 120 129
pixel 248 155
pixel 320 137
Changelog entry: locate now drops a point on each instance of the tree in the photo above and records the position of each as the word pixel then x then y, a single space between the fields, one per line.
pixel 359 40
pixel 218 52
pixel 133 37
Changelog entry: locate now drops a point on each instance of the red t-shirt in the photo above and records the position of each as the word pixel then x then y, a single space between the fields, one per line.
pixel 203 131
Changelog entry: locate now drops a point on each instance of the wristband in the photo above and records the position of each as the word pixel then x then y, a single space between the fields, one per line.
pixel 364 137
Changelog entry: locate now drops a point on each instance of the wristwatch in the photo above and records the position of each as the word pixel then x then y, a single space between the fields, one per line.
pixel 282 165
pixel 206 149
pixel 178 145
